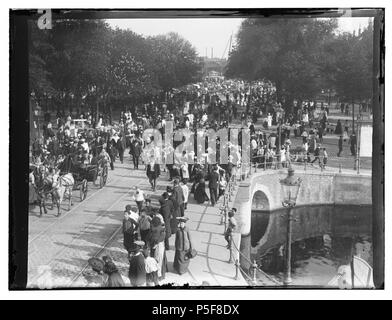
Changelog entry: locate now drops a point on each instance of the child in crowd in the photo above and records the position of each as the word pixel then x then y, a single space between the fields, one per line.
pixel 151 268
pixel 231 227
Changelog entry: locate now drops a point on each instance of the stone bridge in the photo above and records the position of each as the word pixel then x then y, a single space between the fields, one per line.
pixel 259 199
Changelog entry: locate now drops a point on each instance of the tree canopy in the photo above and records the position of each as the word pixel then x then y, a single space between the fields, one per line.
pixel 86 58
pixel 301 56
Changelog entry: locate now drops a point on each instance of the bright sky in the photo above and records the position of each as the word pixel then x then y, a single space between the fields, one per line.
pixel 206 33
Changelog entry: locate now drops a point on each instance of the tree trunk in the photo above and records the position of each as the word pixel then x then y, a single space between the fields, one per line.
pixel 278 91
pixel 352 101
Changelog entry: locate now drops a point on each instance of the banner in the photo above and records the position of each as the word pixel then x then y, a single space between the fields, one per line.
pixel 366 139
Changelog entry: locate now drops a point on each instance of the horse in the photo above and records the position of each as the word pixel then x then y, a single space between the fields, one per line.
pixel 43 186
pixel 62 187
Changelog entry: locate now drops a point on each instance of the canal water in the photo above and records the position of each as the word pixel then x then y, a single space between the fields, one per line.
pixel 323 238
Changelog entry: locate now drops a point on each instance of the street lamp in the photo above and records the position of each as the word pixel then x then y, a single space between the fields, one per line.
pixel 290 188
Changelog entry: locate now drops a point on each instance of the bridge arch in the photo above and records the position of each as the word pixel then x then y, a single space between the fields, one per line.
pixel 260 213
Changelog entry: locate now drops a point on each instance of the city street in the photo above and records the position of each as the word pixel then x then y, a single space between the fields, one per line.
pixel 290 123
pixel 94 228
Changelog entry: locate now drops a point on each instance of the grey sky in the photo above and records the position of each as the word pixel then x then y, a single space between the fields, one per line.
pixel 206 33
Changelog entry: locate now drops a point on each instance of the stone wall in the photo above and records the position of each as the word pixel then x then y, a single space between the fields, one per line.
pixel 323 188
pixel 316 189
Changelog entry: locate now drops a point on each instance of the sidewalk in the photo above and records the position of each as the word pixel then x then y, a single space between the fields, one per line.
pixel 210 267
pixel 93 228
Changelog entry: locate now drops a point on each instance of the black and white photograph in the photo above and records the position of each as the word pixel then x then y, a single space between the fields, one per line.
pixel 203 148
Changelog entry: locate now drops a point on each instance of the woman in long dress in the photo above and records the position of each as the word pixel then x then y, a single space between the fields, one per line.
pixel 114 277
pixel 137 267
pixel 183 245
pixel 156 241
pixel 200 192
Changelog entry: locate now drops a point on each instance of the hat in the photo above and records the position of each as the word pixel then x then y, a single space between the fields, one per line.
pixel 139 243
pixel 134 247
pixel 106 258
pixel 156 221
pixel 182 219
pixel 96 264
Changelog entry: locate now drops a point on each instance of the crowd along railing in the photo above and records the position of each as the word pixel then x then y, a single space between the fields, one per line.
pixel 261 163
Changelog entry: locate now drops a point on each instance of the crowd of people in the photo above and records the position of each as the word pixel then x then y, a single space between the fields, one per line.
pixel 147 230
pixel 207 105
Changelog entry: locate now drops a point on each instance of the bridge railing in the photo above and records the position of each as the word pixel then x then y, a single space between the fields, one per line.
pixel 261 163
pixel 256 276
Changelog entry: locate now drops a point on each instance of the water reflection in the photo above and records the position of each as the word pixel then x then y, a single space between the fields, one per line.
pixel 324 238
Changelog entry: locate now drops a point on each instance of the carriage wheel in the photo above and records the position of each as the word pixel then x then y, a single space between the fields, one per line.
pixel 83 190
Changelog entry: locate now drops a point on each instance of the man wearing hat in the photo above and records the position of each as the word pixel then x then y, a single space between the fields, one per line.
pixel 340 145
pixel 137 266
pixel 130 225
pixel 166 210
pixel 136 150
pixel 121 146
pixel 153 172
pixel 214 184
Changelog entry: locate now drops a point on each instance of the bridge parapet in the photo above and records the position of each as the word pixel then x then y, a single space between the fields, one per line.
pixel 323 188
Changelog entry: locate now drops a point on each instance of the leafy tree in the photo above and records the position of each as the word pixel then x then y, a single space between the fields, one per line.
pixel 350 65
pixel 85 60
pixel 80 59
pixel 39 75
pixel 175 61
pixel 129 72
pixel 284 51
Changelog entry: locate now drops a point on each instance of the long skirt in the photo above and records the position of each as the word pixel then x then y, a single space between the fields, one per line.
pixel 160 257
pixel 115 280
pixel 201 195
pixel 180 263
pixel 152 279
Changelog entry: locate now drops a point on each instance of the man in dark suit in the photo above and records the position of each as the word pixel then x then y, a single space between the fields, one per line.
pixel 166 211
pixel 214 184
pixel 121 145
pixel 340 145
pixel 135 151
pixel 153 172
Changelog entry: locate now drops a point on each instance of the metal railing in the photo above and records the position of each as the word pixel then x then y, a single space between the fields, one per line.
pixel 224 210
pixel 253 278
pixel 300 160
pixel 227 198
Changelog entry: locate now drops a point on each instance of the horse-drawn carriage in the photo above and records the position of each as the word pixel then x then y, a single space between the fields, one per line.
pixel 84 173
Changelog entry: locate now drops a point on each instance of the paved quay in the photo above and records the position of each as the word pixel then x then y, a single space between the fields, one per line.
pixel 60 247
